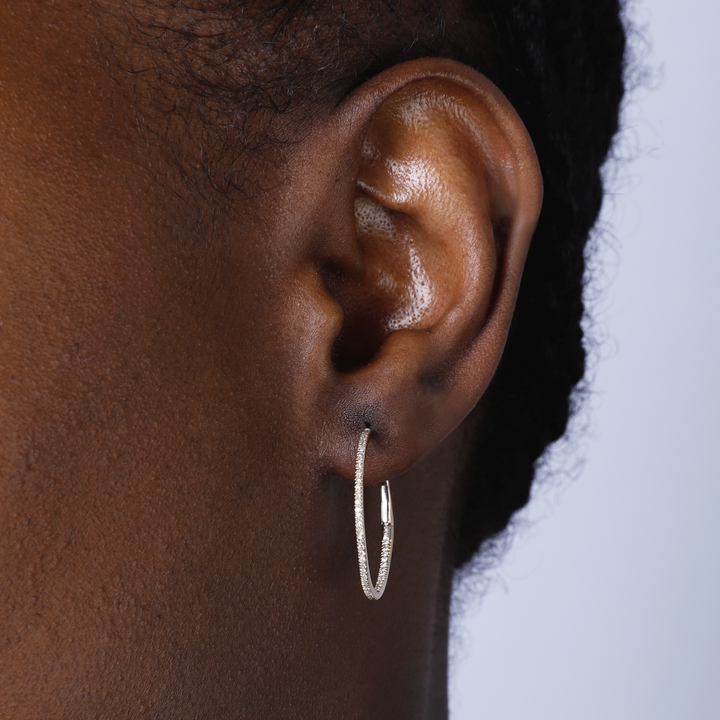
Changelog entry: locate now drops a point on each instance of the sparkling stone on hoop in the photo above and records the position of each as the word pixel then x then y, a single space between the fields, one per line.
pixel 373 592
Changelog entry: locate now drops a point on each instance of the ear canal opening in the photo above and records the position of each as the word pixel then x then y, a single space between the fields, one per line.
pixel 362 333
pixel 352 351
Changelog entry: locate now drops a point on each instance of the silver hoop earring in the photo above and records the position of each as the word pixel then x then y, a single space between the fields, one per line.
pixel 371 591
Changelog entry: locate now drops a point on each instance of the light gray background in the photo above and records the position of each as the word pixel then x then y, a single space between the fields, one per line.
pixel 606 607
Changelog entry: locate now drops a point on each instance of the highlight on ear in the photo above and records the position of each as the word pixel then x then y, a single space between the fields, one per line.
pixel 430 210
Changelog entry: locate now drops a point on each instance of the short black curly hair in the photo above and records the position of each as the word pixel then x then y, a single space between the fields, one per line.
pixel 561 63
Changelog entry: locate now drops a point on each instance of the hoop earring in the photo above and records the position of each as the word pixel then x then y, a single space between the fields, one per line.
pixel 386 516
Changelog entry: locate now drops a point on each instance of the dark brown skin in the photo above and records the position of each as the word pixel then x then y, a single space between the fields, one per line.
pixel 177 446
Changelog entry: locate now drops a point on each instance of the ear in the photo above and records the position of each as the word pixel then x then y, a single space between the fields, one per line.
pixel 430 202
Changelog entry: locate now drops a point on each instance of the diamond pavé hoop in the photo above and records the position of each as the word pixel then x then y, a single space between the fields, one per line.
pixel 386 516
